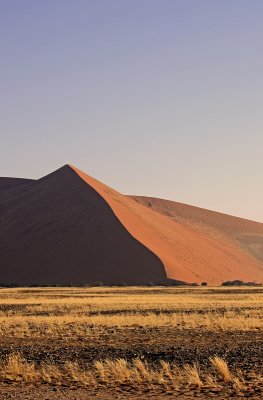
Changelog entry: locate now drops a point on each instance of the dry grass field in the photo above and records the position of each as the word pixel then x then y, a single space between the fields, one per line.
pixel 162 342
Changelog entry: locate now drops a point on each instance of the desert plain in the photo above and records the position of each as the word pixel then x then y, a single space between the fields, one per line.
pixel 131 342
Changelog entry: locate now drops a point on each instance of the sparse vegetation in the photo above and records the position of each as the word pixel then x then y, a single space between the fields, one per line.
pixel 115 373
pixel 153 337
pixel 221 367
pixel 240 283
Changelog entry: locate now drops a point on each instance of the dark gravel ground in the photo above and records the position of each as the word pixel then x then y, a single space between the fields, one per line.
pixel 241 349
pixel 43 392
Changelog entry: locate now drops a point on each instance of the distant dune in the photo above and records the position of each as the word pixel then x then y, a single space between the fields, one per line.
pixel 68 228
pixel 243 233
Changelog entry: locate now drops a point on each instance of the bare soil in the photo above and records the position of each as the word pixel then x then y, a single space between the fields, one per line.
pixel 242 350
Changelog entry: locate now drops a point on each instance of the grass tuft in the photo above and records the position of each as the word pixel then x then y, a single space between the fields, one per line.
pixel 221 367
pixel 192 375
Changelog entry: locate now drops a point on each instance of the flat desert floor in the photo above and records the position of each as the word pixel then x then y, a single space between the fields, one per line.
pixel 131 343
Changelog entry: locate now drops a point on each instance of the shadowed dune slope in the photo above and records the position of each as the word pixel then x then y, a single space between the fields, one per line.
pixel 188 254
pixel 12 182
pixel 60 230
pixel 70 228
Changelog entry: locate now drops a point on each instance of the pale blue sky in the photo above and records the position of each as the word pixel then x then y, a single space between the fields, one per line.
pixel 154 97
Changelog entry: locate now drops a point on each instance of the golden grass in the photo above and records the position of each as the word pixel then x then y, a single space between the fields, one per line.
pixel 221 367
pixel 53 312
pixel 193 375
pixel 66 326
pixel 115 373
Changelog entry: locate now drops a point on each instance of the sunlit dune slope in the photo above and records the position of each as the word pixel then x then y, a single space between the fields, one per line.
pixel 242 233
pixel 188 254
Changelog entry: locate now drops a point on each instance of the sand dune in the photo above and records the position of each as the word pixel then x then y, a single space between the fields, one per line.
pixel 70 228
pixel 60 230
pixel 242 233
pixel 187 253
pixel 11 182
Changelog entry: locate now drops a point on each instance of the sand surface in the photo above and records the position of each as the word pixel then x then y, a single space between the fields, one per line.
pixel 188 253
pixel 59 230
pixel 69 228
pixel 246 234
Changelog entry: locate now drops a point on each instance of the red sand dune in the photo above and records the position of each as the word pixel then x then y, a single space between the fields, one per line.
pixel 69 228
pixel 243 233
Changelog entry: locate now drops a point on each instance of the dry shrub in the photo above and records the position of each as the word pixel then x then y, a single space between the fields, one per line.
pixel 75 374
pixel 221 367
pixel 17 368
pixel 117 370
pixel 50 373
pixel 167 371
pixel 192 375
pixel 237 383
pixel 120 372
pixel 210 381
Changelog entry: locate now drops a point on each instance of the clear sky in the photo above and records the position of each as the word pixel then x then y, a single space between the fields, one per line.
pixel 153 97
